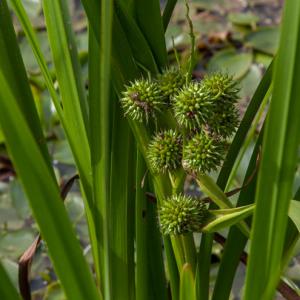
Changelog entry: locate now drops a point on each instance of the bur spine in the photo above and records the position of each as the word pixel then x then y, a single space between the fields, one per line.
pixel 142 99
pixel 165 151
pixel 180 214
pixel 203 153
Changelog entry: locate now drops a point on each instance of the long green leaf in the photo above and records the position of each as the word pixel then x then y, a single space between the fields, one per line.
pixel 7 290
pixel 168 10
pixel 68 72
pixel 12 68
pixel 227 217
pixel 187 283
pixel 207 239
pixel 150 277
pixel 147 14
pixel 44 198
pixel 120 207
pixel 140 48
pixel 244 127
pixel 101 114
pixel 274 187
pixel 294 213
pixel 30 34
pixel 236 241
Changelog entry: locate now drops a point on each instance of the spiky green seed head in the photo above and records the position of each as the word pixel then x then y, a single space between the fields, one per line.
pixel 142 99
pixel 165 151
pixel 181 214
pixel 224 120
pixel 203 153
pixel 220 87
pixel 191 106
pixel 170 82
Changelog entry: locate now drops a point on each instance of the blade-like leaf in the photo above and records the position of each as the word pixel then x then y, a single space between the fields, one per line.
pixel 202 280
pixel 294 213
pixel 101 119
pixel 44 198
pixel 150 278
pixel 168 10
pixel 12 68
pixel 147 14
pixel 7 290
pixel 227 217
pixel 140 48
pixel 68 72
pixel 187 283
pixel 236 241
pixel 279 156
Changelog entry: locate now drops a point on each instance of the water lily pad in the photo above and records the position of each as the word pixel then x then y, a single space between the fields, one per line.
pixel 19 200
pixel 13 244
pixel 250 81
pixel 244 19
pixel 8 215
pixel 27 54
pixel 263 59
pixel 232 62
pixel 265 40
pixel 12 270
pixel 62 153
pixel 175 32
pixel 75 207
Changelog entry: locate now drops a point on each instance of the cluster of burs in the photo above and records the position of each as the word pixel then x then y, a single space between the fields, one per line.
pixel 205 116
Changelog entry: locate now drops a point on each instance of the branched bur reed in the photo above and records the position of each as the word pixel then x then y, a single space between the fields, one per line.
pixel 206 117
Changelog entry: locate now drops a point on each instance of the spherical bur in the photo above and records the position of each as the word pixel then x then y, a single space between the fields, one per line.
pixel 221 87
pixel 170 82
pixel 224 120
pixel 142 99
pixel 191 106
pixel 165 151
pixel 203 153
pixel 181 214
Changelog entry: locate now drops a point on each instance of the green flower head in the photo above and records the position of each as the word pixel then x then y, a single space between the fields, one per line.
pixel 191 106
pixel 224 120
pixel 203 153
pixel 165 151
pixel 220 86
pixel 181 214
pixel 170 82
pixel 142 99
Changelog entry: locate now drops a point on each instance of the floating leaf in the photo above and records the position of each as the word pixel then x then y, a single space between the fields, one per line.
pixel 263 58
pixel 265 40
pixel 13 244
pixel 294 213
pixel 232 62
pixel 250 81
pixel 11 269
pixel 19 200
pixel 244 19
